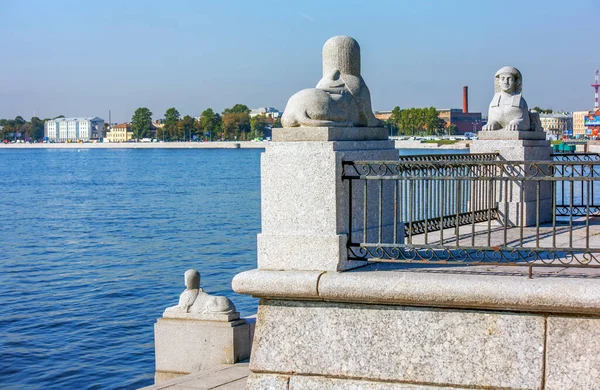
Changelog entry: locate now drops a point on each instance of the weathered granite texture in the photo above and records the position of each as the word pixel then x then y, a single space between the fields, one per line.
pixel 508 110
pixel 295 382
pixel 305 203
pixel 183 346
pixel 573 348
pixel 320 383
pixel 293 134
pixel 194 303
pixel 511 135
pixel 481 287
pixel 518 214
pixel 400 344
pixel 268 382
pixel 341 98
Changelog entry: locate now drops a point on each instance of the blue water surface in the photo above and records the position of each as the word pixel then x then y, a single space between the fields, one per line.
pixel 93 247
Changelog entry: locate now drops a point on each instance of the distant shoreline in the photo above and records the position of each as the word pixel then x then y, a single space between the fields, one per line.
pixel 139 145
pixel 404 144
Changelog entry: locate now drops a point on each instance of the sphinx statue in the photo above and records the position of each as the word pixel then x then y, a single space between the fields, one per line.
pixel 195 303
pixel 340 99
pixel 508 110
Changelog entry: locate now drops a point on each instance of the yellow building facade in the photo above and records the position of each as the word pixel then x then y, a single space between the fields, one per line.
pixel 120 133
pixel 578 122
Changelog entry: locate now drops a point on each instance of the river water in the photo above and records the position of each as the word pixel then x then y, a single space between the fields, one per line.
pixel 94 244
pixel 93 247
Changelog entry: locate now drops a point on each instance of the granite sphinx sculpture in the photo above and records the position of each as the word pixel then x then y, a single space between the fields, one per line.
pixel 508 110
pixel 195 303
pixel 340 99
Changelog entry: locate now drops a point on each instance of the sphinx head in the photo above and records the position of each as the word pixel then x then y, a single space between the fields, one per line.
pixel 508 79
pixel 341 54
pixel 192 279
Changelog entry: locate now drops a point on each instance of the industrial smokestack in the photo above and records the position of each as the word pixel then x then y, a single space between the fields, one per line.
pixel 465 99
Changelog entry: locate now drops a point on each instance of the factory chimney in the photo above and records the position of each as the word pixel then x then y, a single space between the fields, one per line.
pixel 465 99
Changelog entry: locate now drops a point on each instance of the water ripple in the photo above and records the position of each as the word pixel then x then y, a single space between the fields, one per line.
pixel 94 246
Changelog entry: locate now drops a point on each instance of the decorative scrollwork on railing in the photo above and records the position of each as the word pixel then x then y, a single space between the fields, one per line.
pixel 427 194
pixel 474 255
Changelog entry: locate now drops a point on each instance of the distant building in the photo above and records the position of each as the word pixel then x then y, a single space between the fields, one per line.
pixel 158 123
pixel 120 133
pixel 559 124
pixel 592 124
pixel 269 112
pixel 383 115
pixel 465 122
pixel 73 129
pixel 579 123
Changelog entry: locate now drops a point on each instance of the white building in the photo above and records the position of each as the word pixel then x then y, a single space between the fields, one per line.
pixel 558 124
pixel 73 129
pixel 269 112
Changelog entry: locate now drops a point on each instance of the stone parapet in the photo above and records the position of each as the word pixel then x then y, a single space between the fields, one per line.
pixel 379 343
pixel 400 327
pixel 511 135
pixel 305 202
pixel 478 287
pixel 295 134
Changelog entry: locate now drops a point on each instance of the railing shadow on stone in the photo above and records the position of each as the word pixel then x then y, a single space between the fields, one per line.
pixel 471 209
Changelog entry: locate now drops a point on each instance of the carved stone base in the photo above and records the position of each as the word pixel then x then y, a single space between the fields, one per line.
pixel 511 135
pixel 293 134
pixel 183 346
pixel 222 317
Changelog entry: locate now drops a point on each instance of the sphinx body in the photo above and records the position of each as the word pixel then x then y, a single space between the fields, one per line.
pixel 193 300
pixel 341 97
pixel 508 110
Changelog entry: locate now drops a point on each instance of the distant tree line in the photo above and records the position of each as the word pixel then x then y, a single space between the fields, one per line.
pixel 417 122
pixel 19 128
pixel 542 111
pixel 233 123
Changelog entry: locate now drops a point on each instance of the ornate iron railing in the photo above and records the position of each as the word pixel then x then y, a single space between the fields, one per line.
pixel 580 204
pixel 475 211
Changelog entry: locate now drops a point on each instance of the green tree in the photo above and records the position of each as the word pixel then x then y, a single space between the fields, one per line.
pixel 276 123
pixel 542 111
pixel 8 131
pixel 186 127
pixel 259 124
pixel 237 109
pixel 37 128
pixel 235 122
pixel 170 129
pixel 209 122
pixel 452 130
pixel 141 122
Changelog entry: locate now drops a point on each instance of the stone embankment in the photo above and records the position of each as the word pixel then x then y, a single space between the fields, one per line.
pixel 140 145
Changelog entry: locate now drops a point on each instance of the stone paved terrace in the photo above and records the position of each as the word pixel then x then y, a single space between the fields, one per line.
pixel 222 377
pixel 559 238
pixel 402 283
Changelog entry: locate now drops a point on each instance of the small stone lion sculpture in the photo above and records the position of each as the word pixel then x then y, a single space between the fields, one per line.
pixel 341 98
pixel 508 110
pixel 194 300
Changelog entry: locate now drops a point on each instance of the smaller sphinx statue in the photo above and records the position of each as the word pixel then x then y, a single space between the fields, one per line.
pixel 340 99
pixel 195 303
pixel 508 110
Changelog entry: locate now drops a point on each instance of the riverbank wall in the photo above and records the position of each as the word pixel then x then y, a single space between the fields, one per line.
pixel 139 145
pixel 326 320
pixel 461 145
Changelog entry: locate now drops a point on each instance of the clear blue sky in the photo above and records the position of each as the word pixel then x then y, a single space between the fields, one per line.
pixel 79 58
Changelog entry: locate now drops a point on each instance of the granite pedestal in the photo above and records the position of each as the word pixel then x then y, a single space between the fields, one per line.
pixel 518 201
pixel 183 346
